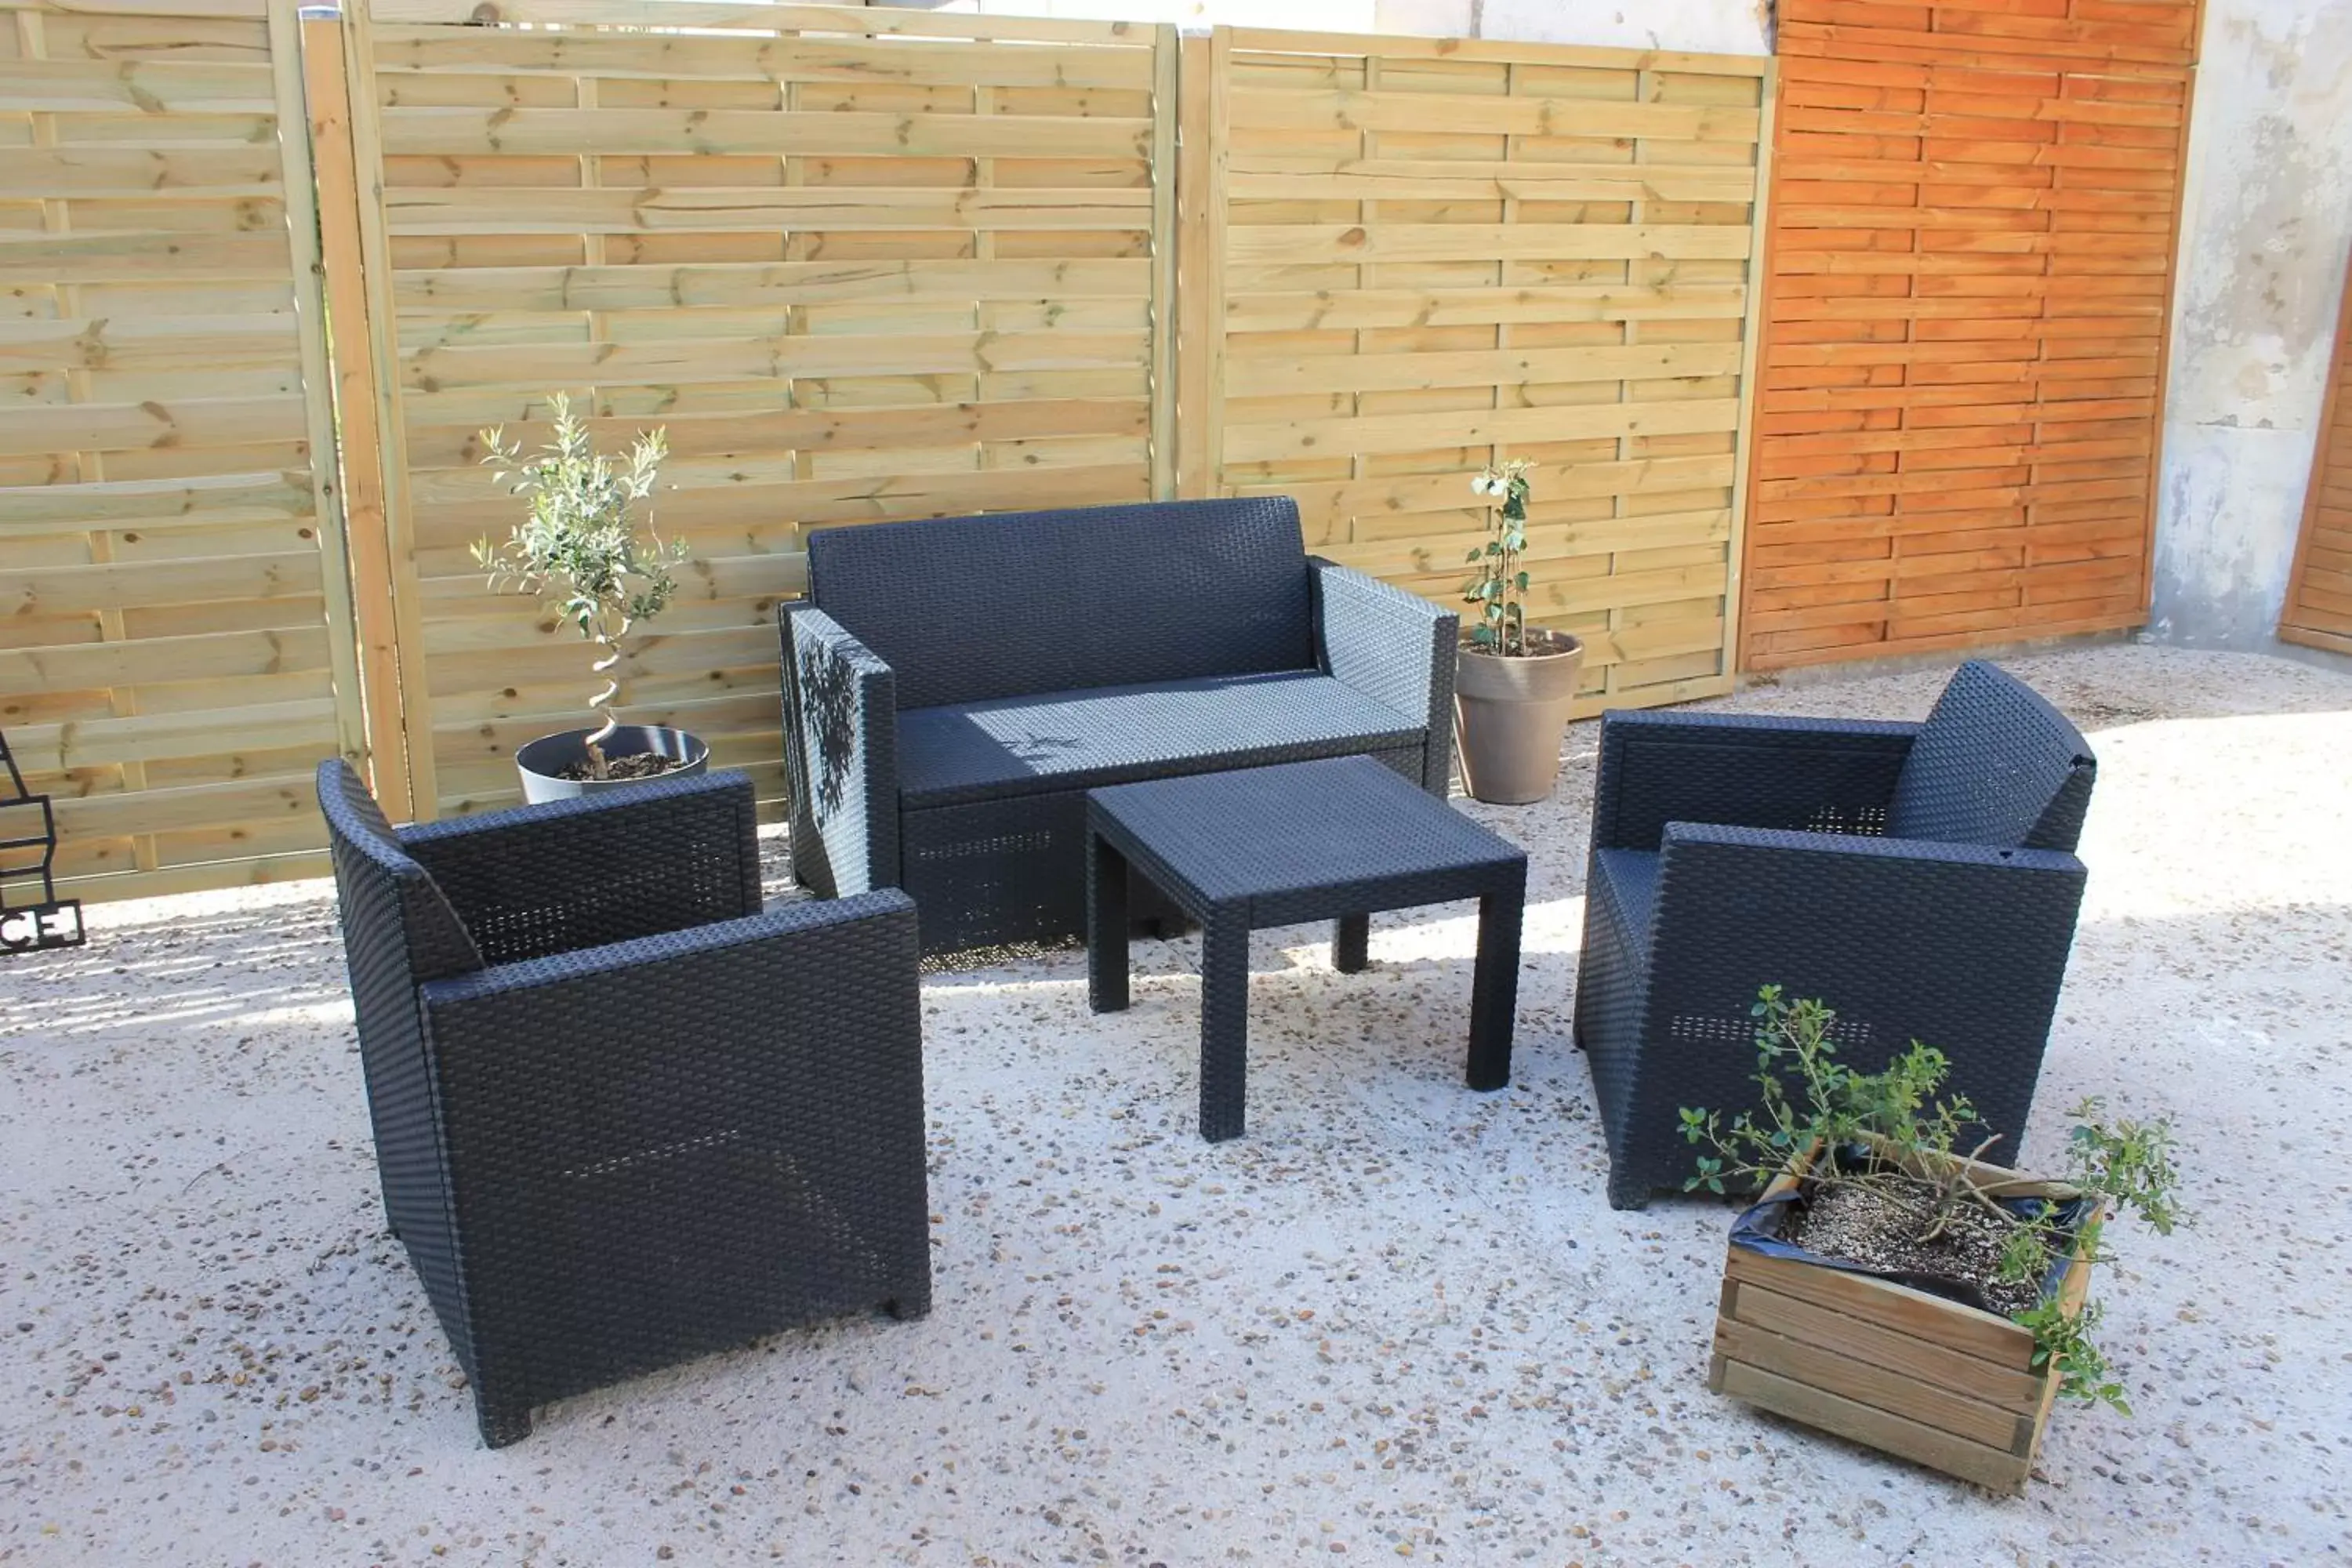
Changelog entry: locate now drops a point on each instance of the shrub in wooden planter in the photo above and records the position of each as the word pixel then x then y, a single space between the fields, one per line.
pixel 1897 1366
pixel 1895 1291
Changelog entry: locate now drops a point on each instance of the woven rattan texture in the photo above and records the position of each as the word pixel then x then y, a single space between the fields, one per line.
pixel 841 749
pixel 1077 739
pixel 1962 945
pixel 1331 839
pixel 1995 763
pixel 894 786
pixel 608 1159
pixel 965 609
pixel 1361 622
pixel 1267 836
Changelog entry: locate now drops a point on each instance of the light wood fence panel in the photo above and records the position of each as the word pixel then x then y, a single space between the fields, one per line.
pixel 1975 204
pixel 861 265
pixel 1417 255
pixel 2318 610
pixel 175 648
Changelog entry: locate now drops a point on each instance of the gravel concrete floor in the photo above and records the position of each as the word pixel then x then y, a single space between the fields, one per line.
pixel 1396 1320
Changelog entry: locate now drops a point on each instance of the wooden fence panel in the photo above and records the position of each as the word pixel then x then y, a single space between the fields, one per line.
pixel 1975 211
pixel 1419 256
pixel 175 650
pixel 2318 610
pixel 861 265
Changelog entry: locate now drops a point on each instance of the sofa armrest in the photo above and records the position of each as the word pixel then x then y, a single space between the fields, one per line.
pixel 1742 770
pixel 841 755
pixel 661 856
pixel 1395 648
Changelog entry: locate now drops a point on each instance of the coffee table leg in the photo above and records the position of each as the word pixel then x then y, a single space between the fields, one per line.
pixel 1106 926
pixel 1495 985
pixel 1351 941
pixel 1225 1024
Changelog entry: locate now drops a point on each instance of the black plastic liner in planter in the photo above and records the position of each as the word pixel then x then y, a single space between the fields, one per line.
pixel 1758 1231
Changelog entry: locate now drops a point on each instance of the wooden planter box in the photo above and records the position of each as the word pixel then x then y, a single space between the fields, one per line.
pixel 1948 1385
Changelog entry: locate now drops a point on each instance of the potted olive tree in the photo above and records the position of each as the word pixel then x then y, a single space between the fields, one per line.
pixel 579 544
pixel 1513 683
pixel 1891 1286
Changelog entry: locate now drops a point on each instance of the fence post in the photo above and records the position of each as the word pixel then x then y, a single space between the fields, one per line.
pixel 1199 266
pixel 328 99
pixel 379 387
pixel 1755 322
pixel 1167 304
pixel 353 736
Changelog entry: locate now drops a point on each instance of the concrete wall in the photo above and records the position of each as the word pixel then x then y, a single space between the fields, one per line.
pixel 2262 245
pixel 2267 224
pixel 1714 26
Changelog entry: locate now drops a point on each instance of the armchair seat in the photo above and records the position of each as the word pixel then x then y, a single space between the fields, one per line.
pixel 1919 879
pixel 1117 734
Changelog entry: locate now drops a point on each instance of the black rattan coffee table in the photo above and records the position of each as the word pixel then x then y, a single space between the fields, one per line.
pixel 1334 839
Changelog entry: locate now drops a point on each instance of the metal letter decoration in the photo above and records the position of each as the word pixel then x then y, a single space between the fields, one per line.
pixel 49 920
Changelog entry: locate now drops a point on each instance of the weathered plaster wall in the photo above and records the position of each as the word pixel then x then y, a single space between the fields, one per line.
pixel 1716 26
pixel 1306 15
pixel 2267 223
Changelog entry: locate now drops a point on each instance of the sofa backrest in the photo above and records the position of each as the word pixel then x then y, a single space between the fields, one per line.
pixel 963 609
pixel 1996 765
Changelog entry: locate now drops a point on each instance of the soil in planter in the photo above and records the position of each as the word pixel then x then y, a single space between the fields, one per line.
pixel 640 765
pixel 1859 1227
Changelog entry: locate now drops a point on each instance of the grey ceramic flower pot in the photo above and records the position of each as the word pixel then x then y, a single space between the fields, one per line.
pixel 1509 714
pixel 541 763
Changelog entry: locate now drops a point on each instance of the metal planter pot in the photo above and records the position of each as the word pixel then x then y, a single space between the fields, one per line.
pixel 1509 714
pixel 543 761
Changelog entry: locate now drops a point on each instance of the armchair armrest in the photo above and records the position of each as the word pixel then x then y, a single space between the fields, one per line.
pixel 613 1119
pixel 841 755
pixel 1742 770
pixel 1395 648
pixel 1961 946
pixel 658 857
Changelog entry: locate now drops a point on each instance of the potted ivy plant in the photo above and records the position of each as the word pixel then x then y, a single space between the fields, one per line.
pixel 1513 683
pixel 1891 1286
pixel 583 544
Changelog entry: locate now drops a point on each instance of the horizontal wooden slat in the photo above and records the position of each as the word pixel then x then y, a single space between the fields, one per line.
pixel 734 133
pixel 739 14
pixel 695 210
pixel 1360 242
pixel 1523 115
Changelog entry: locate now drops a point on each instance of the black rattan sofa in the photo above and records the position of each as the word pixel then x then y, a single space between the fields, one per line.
pixel 623 1117
pixel 952 689
pixel 1918 878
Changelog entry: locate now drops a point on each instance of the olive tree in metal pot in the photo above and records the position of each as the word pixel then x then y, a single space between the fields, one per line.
pixel 583 544
pixel 1513 682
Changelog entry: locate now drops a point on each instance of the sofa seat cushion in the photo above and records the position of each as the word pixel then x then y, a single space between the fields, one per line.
pixel 1112 734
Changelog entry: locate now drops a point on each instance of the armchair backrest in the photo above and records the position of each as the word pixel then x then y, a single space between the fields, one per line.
pixel 1996 765
pixel 964 609
pixel 398 928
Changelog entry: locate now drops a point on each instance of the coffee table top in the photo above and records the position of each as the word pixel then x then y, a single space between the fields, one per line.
pixel 1337 823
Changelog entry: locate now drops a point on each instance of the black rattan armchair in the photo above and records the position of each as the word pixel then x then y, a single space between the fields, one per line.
pixel 952 689
pixel 623 1117
pixel 1918 878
